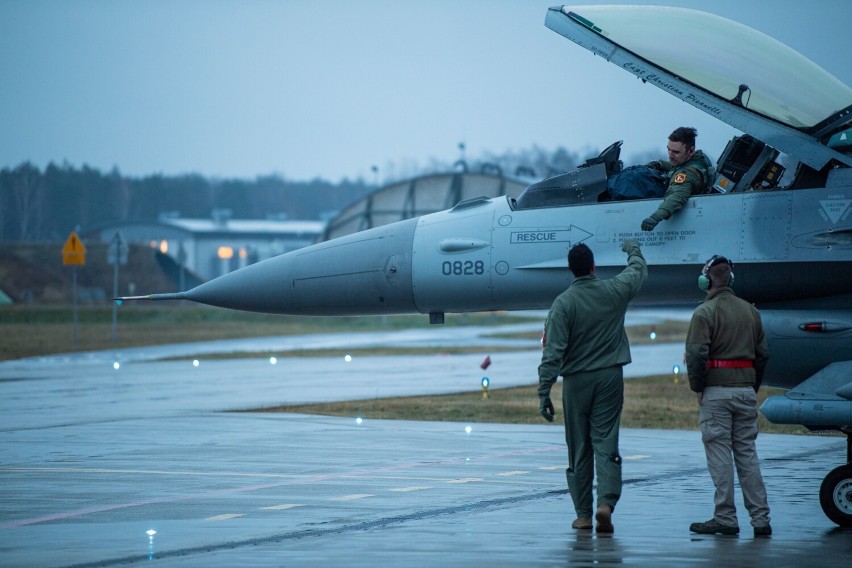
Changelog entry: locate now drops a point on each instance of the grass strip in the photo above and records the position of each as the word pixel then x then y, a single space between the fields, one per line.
pixel 650 402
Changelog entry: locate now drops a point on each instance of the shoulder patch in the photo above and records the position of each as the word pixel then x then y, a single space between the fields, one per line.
pixel 680 177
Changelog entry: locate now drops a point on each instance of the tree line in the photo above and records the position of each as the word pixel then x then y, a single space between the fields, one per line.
pixel 46 205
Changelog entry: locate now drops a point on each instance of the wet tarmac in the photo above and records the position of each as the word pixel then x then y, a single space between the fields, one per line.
pixel 93 458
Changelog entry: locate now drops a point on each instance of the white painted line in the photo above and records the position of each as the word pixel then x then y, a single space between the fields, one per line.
pixel 466 480
pixel 352 497
pixel 281 507
pixel 407 489
pixel 553 467
pixel 511 473
pixel 224 517
pixel 150 472
pixel 637 457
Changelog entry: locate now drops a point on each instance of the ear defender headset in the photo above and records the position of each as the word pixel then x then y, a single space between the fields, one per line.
pixel 704 278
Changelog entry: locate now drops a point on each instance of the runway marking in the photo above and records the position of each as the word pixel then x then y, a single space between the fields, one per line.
pixel 407 489
pixel 352 497
pixel 465 480
pixel 282 507
pixel 511 473
pixel 637 457
pixel 224 517
pixel 552 467
pixel 291 480
pixel 150 472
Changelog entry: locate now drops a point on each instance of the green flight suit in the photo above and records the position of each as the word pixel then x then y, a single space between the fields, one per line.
pixel 695 176
pixel 586 344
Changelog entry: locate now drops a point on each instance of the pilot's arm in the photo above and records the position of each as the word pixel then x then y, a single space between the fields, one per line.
pixel 684 183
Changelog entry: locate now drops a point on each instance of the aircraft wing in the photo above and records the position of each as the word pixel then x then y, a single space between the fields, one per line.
pixel 741 76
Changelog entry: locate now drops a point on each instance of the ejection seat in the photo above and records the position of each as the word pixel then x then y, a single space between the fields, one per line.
pixel 586 184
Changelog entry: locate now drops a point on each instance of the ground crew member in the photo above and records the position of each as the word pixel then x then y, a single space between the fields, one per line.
pixel 690 172
pixel 585 343
pixel 726 355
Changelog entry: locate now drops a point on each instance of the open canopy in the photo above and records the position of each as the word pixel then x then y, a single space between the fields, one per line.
pixel 731 71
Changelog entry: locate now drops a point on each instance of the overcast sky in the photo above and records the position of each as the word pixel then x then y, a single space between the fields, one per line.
pixel 329 88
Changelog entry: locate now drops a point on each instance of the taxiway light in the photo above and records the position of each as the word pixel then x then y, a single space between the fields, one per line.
pixel 119 302
pixel 468 429
pixel 273 360
pixel 195 363
pixel 116 365
pixel 676 371
pixel 653 335
pixel 348 358
pixel 485 382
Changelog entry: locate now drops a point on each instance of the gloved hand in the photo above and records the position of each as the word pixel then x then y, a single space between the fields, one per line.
pixel 629 244
pixel 545 406
pixel 651 222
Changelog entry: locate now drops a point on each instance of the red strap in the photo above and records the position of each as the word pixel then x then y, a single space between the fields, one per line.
pixel 729 364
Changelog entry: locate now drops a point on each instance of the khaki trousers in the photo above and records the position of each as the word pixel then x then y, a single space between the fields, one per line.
pixel 728 429
pixel 592 402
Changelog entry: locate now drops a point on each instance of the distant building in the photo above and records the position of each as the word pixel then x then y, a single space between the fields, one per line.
pixel 216 246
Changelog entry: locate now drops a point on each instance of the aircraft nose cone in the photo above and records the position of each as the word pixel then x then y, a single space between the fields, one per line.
pixel 361 274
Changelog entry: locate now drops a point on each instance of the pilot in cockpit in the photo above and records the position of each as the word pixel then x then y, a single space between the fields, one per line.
pixel 689 172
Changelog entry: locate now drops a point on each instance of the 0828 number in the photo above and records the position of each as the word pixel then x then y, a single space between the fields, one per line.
pixel 466 268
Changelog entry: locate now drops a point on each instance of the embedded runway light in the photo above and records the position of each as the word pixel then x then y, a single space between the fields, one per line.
pixel 348 358
pixel 195 363
pixel 273 360
pixel 150 533
pixel 468 429
pixel 359 420
pixel 116 365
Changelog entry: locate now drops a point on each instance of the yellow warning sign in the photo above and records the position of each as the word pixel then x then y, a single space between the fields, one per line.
pixel 74 252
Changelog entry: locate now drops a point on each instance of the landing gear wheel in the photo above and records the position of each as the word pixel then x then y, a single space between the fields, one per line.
pixel 835 495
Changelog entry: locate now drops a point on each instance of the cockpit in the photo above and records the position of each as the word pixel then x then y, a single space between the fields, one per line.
pixel 746 164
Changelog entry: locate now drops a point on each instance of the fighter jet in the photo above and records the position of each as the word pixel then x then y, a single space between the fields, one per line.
pixel 780 208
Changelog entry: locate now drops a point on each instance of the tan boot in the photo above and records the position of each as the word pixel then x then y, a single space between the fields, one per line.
pixel 582 523
pixel 604 518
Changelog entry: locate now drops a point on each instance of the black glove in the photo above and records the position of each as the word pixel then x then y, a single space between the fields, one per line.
pixel 545 406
